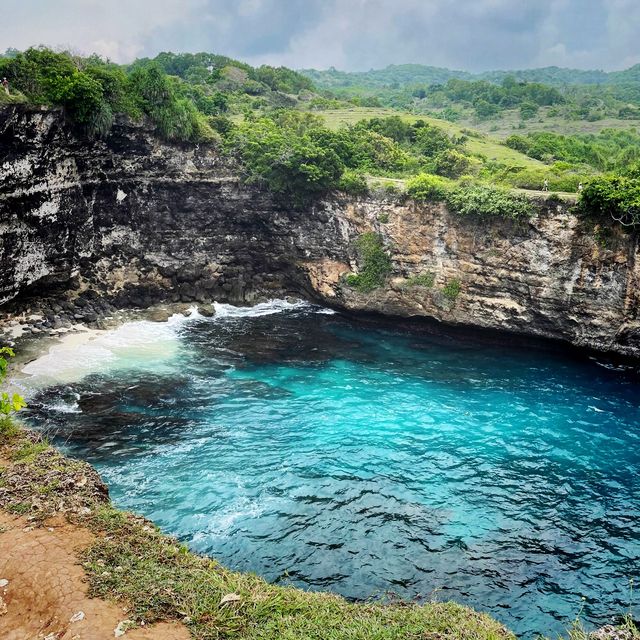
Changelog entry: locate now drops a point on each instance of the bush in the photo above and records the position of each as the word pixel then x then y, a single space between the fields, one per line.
pixel 353 182
pixel 375 264
pixel 614 196
pixel 9 403
pixel 286 158
pixel 82 98
pixel 421 280
pixel 559 179
pixel 485 200
pixel 452 289
pixel 175 118
pixel 451 163
pixel 427 187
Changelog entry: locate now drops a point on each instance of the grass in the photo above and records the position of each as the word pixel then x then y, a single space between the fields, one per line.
pixel 421 280
pixel 14 98
pixel 510 122
pixel 160 579
pixel 156 578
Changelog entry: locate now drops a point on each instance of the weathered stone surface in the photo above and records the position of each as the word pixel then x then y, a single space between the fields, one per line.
pixel 189 231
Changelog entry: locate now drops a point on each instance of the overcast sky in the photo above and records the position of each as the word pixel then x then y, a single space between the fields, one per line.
pixel 348 34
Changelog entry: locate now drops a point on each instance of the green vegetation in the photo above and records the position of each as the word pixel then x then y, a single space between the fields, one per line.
pixel 302 140
pixel 427 187
pixel 421 280
pixel 609 150
pixel 571 94
pixel 353 182
pixel 92 91
pixel 614 197
pixel 486 200
pixel 451 289
pixel 288 154
pixel 10 403
pixel 375 264
pixel 470 198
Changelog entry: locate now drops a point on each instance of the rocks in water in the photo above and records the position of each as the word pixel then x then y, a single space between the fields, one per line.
pixel 207 310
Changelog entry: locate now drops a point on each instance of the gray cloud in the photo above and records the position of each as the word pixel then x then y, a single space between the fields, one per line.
pixel 348 34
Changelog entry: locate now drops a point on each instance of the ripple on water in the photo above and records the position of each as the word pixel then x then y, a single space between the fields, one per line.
pixel 289 441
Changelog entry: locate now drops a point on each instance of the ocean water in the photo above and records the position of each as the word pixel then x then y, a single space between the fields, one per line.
pixel 319 452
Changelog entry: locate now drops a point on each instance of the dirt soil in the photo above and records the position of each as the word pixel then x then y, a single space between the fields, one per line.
pixel 43 591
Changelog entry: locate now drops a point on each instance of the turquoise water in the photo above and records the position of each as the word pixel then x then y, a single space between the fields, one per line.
pixel 332 455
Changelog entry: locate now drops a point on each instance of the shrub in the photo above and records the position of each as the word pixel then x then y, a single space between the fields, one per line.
pixel 353 182
pixel 451 289
pixel 421 280
pixel 375 263
pixel 9 403
pixel 82 98
pixel 614 196
pixel 287 161
pixel 427 187
pixel 175 118
pixel 451 163
pixel 485 200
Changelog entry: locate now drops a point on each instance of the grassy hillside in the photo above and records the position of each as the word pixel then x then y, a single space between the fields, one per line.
pixel 562 100
pixel 485 145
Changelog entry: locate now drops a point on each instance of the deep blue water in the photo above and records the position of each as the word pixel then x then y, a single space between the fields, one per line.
pixel 332 455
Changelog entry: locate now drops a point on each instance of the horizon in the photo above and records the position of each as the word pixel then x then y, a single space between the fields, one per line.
pixel 475 36
pixel 75 51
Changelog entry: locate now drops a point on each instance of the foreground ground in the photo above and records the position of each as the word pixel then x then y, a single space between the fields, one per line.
pixel 74 567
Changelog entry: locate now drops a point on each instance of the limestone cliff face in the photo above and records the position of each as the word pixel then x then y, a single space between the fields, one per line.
pixel 546 277
pixel 139 220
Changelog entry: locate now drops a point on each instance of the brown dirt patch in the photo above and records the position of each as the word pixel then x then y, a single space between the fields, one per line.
pixel 47 588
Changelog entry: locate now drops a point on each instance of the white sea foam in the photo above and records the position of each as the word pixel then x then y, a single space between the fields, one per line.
pixel 131 345
pixel 262 309
pixel 134 344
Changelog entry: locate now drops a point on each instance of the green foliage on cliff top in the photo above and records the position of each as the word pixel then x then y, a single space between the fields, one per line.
pixel 488 200
pixel 92 91
pixel 613 197
pixel 470 198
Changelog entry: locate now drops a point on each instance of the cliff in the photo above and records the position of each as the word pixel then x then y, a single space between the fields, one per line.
pixel 135 220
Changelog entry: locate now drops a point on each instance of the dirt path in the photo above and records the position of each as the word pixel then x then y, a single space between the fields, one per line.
pixel 45 597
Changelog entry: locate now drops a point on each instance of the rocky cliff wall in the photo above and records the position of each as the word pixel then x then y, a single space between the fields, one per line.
pixel 137 220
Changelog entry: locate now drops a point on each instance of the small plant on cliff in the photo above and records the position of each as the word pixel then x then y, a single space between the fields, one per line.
pixel 376 264
pixel 451 289
pixel 9 403
pixel 421 280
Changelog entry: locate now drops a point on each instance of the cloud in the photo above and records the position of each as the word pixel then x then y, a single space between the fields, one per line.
pixel 348 34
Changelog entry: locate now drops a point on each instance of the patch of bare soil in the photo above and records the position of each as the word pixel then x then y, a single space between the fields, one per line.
pixel 43 591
